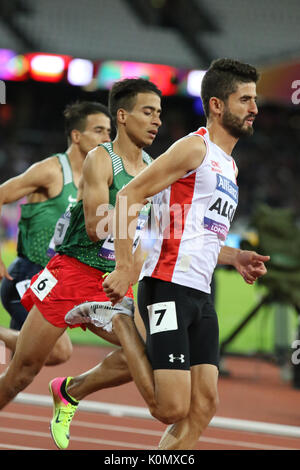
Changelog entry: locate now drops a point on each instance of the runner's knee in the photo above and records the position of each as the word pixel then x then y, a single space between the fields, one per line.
pixel 206 404
pixel 170 412
pixel 61 353
pixel 24 371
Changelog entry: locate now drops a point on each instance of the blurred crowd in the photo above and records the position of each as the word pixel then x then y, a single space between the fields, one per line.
pixel 31 128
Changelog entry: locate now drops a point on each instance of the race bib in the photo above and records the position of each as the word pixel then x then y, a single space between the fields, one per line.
pixel 22 287
pixel 222 207
pixel 43 284
pixel 61 227
pixel 162 317
pixel 107 250
pixel 59 233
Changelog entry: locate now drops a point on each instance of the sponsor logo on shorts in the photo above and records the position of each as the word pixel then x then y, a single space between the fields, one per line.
pixel 173 358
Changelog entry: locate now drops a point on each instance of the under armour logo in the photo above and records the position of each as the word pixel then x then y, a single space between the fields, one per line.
pixel 173 358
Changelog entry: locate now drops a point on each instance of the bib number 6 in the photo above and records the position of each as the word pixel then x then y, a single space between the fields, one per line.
pixel 162 317
pixel 43 284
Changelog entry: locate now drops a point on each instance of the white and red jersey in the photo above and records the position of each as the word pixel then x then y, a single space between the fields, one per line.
pixel 193 218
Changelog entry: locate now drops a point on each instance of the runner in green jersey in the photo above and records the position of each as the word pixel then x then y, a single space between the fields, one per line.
pixel 76 242
pixel 51 189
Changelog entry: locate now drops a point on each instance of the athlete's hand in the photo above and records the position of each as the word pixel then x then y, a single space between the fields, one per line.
pixel 116 285
pixel 250 265
pixel 3 272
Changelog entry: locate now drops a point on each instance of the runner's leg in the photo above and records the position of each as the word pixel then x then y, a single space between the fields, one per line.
pixel 35 342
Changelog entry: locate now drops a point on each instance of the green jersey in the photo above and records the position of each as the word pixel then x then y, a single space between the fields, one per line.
pixel 37 222
pixel 76 242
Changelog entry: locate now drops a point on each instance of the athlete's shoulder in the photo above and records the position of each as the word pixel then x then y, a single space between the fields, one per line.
pixel 97 164
pixel 99 152
pixel 48 167
pixel 186 154
pixel 193 141
pixel 190 145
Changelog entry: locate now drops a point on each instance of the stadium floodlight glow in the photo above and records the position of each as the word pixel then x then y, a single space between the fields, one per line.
pixel 194 80
pixel 5 56
pixel 161 75
pixel 12 66
pixel 47 67
pixel 80 72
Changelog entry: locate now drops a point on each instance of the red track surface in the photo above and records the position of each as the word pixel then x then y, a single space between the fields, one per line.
pixel 254 391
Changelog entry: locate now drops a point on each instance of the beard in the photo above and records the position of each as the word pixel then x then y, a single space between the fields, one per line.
pixel 235 125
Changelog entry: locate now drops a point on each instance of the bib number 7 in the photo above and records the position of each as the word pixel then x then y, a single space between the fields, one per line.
pixel 162 317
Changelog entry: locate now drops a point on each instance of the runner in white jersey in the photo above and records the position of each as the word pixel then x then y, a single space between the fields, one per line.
pixel 198 209
pixel 194 193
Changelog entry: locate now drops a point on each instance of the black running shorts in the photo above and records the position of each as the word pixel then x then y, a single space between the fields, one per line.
pixel 21 270
pixel 181 324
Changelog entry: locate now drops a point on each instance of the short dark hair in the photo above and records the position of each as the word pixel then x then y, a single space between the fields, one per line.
pixel 75 114
pixel 222 79
pixel 124 92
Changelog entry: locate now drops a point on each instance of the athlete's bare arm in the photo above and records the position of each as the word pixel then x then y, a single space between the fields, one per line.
pixel 97 178
pixel 138 261
pixel 182 157
pixel 249 264
pixel 42 177
pixel 41 181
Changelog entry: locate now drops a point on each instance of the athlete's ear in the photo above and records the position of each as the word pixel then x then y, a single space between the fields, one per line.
pixel 75 136
pixel 121 115
pixel 216 106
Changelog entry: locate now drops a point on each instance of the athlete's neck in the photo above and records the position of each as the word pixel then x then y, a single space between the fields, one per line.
pixel 126 148
pixel 76 159
pixel 220 136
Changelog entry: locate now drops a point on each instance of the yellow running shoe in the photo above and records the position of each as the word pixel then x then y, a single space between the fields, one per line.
pixel 64 408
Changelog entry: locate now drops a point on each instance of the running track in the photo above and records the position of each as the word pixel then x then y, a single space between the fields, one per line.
pixel 253 394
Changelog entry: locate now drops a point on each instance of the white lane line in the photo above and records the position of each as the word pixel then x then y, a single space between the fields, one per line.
pixel 83 424
pixel 149 432
pixel 141 412
pixel 14 447
pixel 26 432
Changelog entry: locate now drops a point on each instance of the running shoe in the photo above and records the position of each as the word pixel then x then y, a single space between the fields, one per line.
pixel 99 314
pixel 64 408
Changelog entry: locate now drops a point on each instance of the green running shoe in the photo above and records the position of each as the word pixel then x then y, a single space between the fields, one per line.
pixel 64 408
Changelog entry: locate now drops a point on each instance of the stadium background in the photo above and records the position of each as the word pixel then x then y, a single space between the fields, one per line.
pixel 171 42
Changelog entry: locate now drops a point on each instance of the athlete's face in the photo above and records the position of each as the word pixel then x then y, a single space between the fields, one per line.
pixel 240 110
pixel 97 131
pixel 143 121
